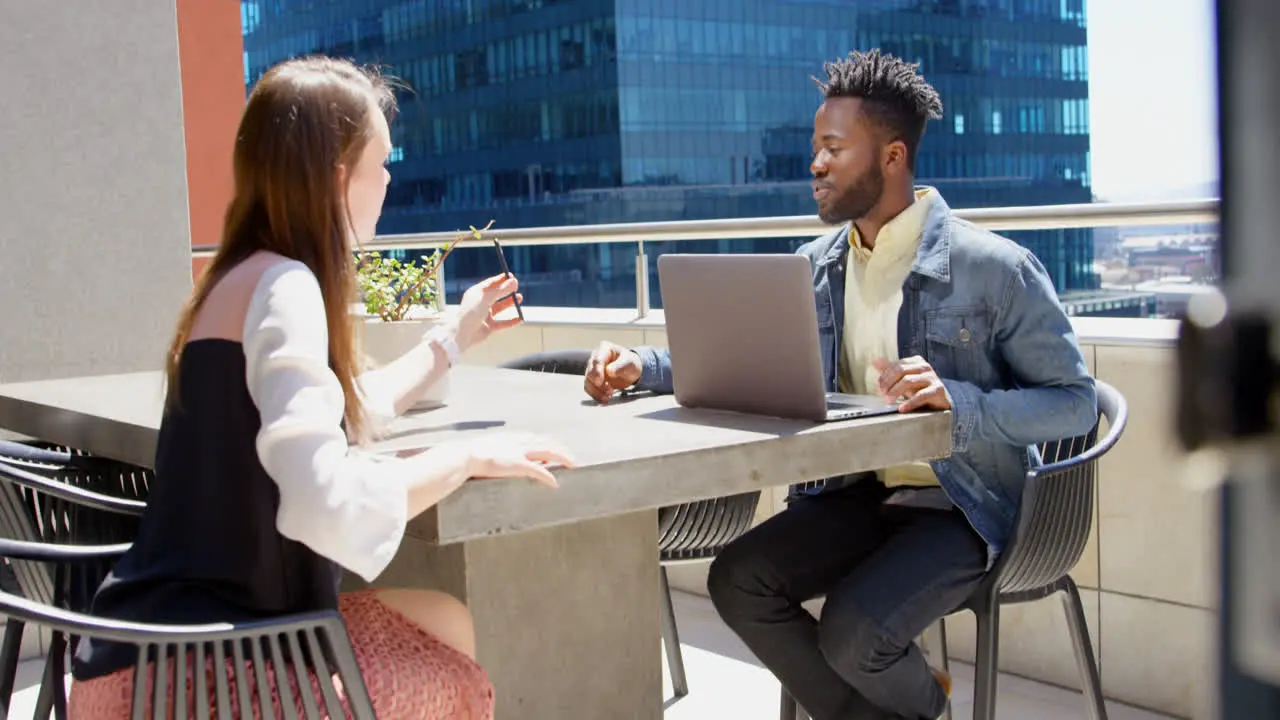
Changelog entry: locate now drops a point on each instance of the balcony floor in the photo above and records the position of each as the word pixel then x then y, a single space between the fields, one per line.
pixel 726 681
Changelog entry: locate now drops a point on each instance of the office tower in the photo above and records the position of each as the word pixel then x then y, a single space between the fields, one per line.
pixel 573 112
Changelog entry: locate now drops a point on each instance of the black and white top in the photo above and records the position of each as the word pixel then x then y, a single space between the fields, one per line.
pixel 259 498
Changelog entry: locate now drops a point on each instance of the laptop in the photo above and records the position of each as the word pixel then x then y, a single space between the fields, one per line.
pixel 743 335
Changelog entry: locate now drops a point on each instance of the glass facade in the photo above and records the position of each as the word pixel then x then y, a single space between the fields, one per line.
pixel 571 112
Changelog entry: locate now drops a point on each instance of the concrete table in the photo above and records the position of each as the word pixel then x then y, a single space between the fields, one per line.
pixel 563 583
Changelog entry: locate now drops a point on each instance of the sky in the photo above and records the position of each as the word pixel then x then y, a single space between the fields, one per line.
pixel 1153 98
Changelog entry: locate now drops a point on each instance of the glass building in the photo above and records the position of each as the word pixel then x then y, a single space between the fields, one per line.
pixel 572 112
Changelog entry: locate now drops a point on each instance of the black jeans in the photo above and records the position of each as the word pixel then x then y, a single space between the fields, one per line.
pixel 888 572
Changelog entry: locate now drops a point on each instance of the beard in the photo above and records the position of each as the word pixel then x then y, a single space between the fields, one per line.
pixel 856 201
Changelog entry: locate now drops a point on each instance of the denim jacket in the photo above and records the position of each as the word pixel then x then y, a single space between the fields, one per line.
pixel 983 312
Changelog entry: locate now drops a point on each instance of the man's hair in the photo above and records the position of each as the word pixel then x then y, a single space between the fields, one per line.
pixel 893 94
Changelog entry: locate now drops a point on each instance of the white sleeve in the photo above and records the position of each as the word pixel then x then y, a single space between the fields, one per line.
pixel 348 506
pixel 379 400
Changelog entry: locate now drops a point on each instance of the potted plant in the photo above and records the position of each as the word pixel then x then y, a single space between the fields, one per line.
pixel 401 301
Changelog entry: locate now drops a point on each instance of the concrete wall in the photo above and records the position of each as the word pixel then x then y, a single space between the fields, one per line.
pixel 1148 576
pixel 94 242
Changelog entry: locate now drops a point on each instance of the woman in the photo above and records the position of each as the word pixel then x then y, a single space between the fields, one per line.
pixel 259 498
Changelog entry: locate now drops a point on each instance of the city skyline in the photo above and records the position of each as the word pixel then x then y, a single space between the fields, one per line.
pixel 582 112
pixel 1160 79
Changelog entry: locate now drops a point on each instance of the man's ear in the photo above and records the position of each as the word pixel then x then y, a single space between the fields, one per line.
pixel 894 156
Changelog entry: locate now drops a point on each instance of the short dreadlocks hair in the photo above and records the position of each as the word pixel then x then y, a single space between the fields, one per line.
pixel 893 94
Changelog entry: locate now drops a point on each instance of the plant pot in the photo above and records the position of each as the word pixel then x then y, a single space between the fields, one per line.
pixel 385 341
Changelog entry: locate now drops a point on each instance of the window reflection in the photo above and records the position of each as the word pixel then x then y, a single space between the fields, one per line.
pixel 556 112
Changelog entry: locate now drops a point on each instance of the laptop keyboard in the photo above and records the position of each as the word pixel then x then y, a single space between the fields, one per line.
pixel 844 400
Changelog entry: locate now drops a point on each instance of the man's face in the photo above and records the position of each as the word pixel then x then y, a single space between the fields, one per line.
pixel 847 178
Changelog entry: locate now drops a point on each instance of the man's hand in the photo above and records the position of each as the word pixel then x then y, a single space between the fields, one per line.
pixel 913 384
pixel 611 368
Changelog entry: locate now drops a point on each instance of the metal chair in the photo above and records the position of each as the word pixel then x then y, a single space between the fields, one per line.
pixel 41 502
pixel 80 468
pixel 1048 540
pixel 689 532
pixel 694 532
pixel 27 514
pixel 307 649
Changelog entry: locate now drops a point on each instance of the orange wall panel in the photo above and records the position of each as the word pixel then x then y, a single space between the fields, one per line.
pixel 211 52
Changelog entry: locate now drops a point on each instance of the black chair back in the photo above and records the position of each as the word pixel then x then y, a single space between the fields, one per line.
pixel 293 655
pixel 1056 515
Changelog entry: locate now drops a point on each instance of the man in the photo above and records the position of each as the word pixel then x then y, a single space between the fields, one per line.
pixel 927 310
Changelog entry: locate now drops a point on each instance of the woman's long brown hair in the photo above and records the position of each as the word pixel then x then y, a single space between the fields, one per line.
pixel 303 120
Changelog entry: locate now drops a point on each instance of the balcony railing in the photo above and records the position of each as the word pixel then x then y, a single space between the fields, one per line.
pixel 1044 217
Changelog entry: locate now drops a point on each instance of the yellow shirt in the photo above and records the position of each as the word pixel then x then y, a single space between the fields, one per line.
pixel 872 300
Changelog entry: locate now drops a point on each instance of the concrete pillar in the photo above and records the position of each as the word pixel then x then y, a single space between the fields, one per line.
pixel 94 236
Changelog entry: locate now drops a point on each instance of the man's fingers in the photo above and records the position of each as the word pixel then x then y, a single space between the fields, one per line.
pixel 929 397
pixel 604 355
pixel 912 403
pixel 599 391
pixel 596 363
pixel 908 386
pixel 621 373
pixel 889 378
pixel 893 372
pixel 599 384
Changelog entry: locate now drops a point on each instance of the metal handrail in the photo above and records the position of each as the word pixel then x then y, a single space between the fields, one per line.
pixel 1040 217
pixel 1043 217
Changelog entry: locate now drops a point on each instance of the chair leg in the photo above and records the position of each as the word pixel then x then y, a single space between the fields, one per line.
pixel 987 661
pixel 60 683
pixel 933 643
pixel 789 709
pixel 945 658
pixel 44 701
pixel 1089 678
pixel 53 689
pixel 10 653
pixel 671 640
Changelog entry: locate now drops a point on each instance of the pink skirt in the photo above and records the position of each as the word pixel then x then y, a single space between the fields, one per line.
pixel 411 675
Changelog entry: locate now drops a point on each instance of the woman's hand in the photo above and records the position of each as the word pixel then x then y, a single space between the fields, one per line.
pixel 444 468
pixel 481 304
pixel 512 455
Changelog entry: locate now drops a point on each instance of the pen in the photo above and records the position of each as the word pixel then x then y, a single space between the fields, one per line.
pixel 507 271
